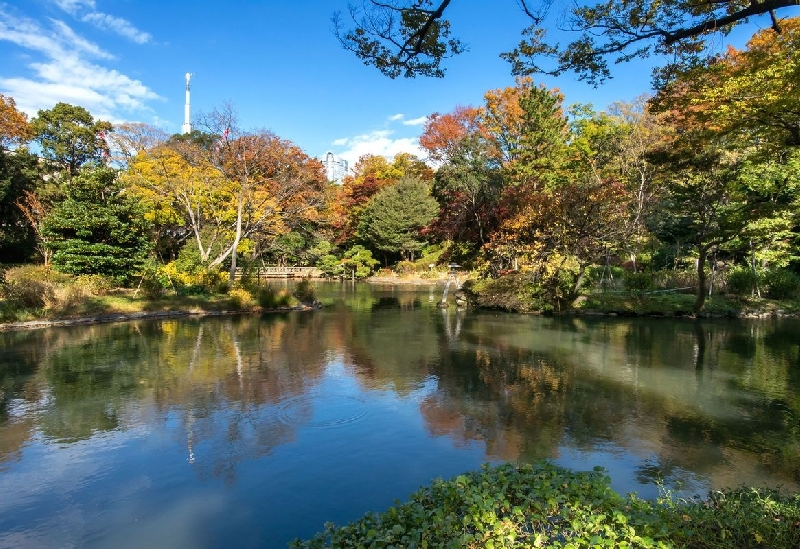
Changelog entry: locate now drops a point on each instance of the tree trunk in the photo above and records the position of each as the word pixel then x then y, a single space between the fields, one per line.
pixel 700 299
pixel 576 288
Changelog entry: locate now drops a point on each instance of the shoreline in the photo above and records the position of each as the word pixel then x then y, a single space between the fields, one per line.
pixel 140 315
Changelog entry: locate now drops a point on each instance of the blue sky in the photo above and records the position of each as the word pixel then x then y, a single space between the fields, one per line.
pixel 276 62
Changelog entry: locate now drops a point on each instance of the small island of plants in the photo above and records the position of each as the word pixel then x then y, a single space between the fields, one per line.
pixel 543 505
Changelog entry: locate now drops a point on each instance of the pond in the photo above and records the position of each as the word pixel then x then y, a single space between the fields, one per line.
pixel 249 431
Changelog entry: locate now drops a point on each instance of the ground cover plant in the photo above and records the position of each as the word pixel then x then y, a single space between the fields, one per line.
pixel 543 505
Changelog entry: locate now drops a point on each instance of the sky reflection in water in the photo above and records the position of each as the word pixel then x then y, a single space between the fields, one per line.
pixel 247 431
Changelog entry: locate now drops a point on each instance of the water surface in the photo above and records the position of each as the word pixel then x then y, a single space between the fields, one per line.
pixel 249 431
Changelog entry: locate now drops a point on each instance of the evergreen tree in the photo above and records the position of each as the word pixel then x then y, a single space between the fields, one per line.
pixel 97 228
pixel 394 218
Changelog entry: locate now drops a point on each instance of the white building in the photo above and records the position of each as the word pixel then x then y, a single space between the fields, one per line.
pixel 335 168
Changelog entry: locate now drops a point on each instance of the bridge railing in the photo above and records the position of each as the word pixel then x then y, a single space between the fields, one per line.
pixel 265 271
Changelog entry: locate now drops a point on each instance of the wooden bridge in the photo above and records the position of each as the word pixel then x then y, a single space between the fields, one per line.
pixel 265 271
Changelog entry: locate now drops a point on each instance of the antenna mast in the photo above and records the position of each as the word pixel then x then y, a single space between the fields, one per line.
pixel 187 125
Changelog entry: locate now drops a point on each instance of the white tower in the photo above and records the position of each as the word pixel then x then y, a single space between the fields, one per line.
pixel 187 125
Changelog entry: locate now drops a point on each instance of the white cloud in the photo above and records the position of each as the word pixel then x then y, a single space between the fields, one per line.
pixel 415 121
pixel 379 143
pixel 117 25
pixel 77 44
pixel 72 6
pixel 63 70
pixel 396 117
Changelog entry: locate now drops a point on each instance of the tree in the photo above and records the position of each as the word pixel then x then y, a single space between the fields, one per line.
pixel 19 177
pixel 468 187
pixel 370 174
pixel 443 134
pixel 132 138
pixel 357 262
pixel 704 204
pixel 70 136
pixel 752 95
pixel 394 218
pixel 98 228
pixel 412 37
pixel 276 186
pixel 14 127
pixel 183 198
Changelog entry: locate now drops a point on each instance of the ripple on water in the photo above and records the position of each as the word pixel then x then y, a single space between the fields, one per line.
pixel 322 411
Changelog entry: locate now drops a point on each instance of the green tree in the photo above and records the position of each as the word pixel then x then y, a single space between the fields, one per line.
pixel 412 37
pixel 357 262
pixel 97 228
pixel 70 136
pixel 394 218
pixel 18 175
pixel 704 204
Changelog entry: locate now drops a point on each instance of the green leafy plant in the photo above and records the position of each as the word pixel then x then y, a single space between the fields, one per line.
pixel 741 281
pixel 543 505
pixel 781 283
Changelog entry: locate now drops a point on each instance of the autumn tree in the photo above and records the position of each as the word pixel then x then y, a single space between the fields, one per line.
pixel 18 175
pixel 704 204
pixel 370 174
pixel 412 37
pixel 752 94
pixel 14 127
pixel 70 137
pixel 19 178
pixel 184 197
pixel 443 134
pixel 732 162
pixel 276 185
pixel 638 131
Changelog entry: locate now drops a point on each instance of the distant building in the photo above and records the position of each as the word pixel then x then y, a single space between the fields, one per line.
pixel 335 168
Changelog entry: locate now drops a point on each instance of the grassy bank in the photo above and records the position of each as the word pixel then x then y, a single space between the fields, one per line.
pixel 29 294
pixel 517 294
pixel 542 505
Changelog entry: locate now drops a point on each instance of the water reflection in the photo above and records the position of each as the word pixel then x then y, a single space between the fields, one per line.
pixel 287 421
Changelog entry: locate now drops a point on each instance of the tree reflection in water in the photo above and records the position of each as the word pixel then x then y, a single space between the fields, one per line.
pixel 382 380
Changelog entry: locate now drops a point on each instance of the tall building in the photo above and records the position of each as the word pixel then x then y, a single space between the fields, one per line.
pixel 335 168
pixel 187 125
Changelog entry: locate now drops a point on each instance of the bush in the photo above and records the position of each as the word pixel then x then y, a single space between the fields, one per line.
pixel 638 281
pixel 672 280
pixel 781 284
pixel 31 286
pixel 268 298
pixel 304 291
pixel 741 281
pixel 543 505
pixel 93 284
pixel 241 298
pixel 154 280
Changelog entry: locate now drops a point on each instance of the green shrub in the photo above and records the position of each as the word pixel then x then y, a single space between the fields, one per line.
pixel 639 281
pixel 741 281
pixel 672 279
pixel 781 284
pixel 304 291
pixel 154 280
pixel 543 505
pixel 269 298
